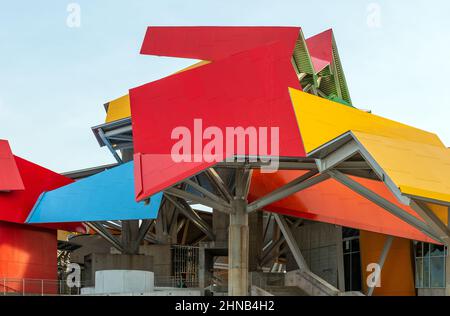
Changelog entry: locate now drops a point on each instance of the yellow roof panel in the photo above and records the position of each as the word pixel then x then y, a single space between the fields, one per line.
pixel 321 120
pixel 118 109
pixel 417 169
pixel 415 160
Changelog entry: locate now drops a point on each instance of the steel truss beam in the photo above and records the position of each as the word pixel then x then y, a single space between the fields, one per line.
pixel 294 165
pixel 432 220
pixel 198 199
pixel 266 256
pixel 219 184
pixel 205 192
pixel 290 240
pixel 382 202
pixel 301 183
pixel 146 224
pixel 187 211
pixel 105 140
pixel 338 156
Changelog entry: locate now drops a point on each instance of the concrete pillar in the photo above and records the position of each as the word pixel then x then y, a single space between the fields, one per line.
pixel 238 253
pixel 220 222
pixel 205 268
pixel 255 224
pixel 130 233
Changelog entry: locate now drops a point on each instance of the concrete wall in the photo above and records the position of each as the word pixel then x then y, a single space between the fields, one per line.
pixel 90 244
pixel 162 259
pixel 317 242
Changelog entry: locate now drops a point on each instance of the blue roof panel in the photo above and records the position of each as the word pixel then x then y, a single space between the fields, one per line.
pixel 108 195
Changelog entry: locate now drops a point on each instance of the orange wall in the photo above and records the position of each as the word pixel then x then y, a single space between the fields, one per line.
pixel 397 275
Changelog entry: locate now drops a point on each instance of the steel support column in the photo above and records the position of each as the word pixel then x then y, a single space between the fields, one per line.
pixel 238 239
pixel 290 240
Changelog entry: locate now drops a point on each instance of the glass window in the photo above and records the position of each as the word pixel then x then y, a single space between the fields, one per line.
pixel 352 259
pixel 430 265
pixel 437 272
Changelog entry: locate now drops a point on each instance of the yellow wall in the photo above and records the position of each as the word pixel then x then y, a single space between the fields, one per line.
pixel 397 275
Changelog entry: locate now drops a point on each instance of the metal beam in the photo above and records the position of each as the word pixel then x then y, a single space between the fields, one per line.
pixel 243 177
pixel 108 144
pixel 198 199
pixel 296 165
pixel 383 256
pixel 303 182
pixel 290 240
pixel 217 181
pixel 382 202
pixel 102 231
pixel 274 245
pixel 266 256
pixel 187 211
pixel 205 192
pixel 146 224
pixel 338 156
pixel 432 220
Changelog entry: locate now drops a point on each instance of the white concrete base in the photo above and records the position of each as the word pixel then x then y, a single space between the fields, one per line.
pixel 121 281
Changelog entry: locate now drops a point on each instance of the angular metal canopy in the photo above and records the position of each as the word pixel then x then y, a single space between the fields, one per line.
pixel 108 195
pixel 10 178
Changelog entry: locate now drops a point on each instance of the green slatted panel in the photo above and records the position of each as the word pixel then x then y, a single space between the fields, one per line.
pixel 301 56
pixel 328 86
pixel 325 72
pixel 340 75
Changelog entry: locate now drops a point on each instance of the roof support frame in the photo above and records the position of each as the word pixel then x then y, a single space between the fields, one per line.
pixel 109 146
pixel 102 231
pixel 198 199
pixel 432 220
pixel 338 156
pixel 187 211
pixel 220 185
pixel 205 192
pixel 290 240
pixel 385 204
pixel 301 183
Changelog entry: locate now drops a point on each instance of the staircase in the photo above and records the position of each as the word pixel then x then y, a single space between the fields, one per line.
pixel 286 291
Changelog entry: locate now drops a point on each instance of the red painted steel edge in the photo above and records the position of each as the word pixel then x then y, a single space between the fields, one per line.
pixel 10 179
pixel 214 42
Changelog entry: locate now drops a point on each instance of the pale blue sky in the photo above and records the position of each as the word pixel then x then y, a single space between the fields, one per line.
pixel 54 79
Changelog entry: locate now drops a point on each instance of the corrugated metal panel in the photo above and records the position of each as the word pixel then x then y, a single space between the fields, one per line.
pixel 340 75
pixel 301 56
